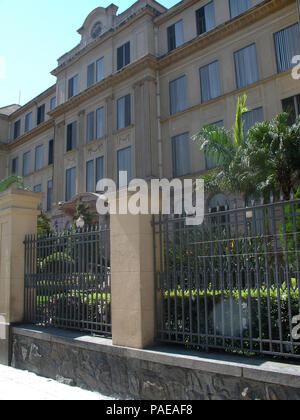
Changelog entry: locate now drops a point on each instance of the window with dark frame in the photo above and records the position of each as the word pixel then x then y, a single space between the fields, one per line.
pixel 73 87
pixel 15 166
pixel 72 136
pixel 175 36
pixel 17 129
pixel 292 107
pixel 51 152
pixel 123 56
pixel 124 112
pixel 205 18
pixel 40 114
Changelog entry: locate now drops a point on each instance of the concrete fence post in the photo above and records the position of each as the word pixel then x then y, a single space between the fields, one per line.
pixel 18 217
pixel 132 280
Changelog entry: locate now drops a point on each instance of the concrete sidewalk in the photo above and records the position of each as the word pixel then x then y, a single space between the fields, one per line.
pixel 19 385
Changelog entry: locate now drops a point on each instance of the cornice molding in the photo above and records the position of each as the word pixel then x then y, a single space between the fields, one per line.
pixel 3 147
pixel 229 28
pixel 29 105
pixel 110 34
pixel 30 135
pixel 147 62
pixel 237 92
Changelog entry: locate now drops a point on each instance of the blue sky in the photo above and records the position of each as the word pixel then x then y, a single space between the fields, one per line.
pixel 34 34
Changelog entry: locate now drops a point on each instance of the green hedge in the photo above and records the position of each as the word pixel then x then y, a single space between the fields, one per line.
pixel 224 313
pixel 84 308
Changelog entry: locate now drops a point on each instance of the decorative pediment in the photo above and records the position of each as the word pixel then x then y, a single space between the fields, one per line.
pixel 98 22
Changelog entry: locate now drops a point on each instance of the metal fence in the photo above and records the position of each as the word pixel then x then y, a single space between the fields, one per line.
pixel 67 280
pixel 231 283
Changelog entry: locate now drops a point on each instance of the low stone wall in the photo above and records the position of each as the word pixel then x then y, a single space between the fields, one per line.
pixel 157 374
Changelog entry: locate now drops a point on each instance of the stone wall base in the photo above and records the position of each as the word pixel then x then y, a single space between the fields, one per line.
pixel 157 374
pixel 5 344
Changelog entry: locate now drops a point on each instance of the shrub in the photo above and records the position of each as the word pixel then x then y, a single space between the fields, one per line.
pixel 232 314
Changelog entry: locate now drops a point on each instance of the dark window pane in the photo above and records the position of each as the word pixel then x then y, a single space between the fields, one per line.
pixel 17 129
pixel 40 114
pixel 200 17
pixel 51 152
pixel 292 107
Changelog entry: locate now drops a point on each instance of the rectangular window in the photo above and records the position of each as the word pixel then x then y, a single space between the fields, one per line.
pixel 51 152
pixel 37 188
pixel 100 69
pixel 53 103
pixel 292 107
pixel 70 183
pixel 26 164
pixel 91 75
pixel 205 18
pixel 251 118
pixel 49 194
pixel 124 112
pixel 38 158
pixel 100 123
pixel 237 7
pixel 287 45
pixel 90 131
pixel 90 186
pixel 72 136
pixel 181 155
pixel 175 36
pixel 17 129
pixel 73 87
pixel 28 122
pixel 178 100
pixel 124 167
pixel 99 173
pixel 211 161
pixel 246 66
pixel 40 114
pixel 210 82
pixel 123 56
pixel 15 166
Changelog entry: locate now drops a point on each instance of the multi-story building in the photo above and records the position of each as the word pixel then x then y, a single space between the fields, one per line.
pixel 140 83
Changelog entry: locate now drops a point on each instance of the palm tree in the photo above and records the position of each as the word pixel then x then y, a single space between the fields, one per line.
pixel 267 162
pixel 225 147
pixel 273 154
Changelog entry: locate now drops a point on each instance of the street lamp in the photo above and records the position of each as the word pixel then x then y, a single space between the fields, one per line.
pixel 80 223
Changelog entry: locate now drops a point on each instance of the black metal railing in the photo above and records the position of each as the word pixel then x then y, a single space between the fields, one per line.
pixel 231 283
pixel 67 280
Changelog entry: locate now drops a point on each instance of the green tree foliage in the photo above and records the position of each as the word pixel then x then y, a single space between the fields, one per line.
pixel 83 210
pixel 43 224
pixel 268 161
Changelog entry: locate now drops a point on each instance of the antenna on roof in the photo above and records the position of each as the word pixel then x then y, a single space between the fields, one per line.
pixel 19 98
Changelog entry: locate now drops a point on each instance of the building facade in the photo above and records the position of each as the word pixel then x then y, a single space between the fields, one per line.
pixel 141 83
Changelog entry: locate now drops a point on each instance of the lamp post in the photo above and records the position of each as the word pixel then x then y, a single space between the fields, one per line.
pixel 80 223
